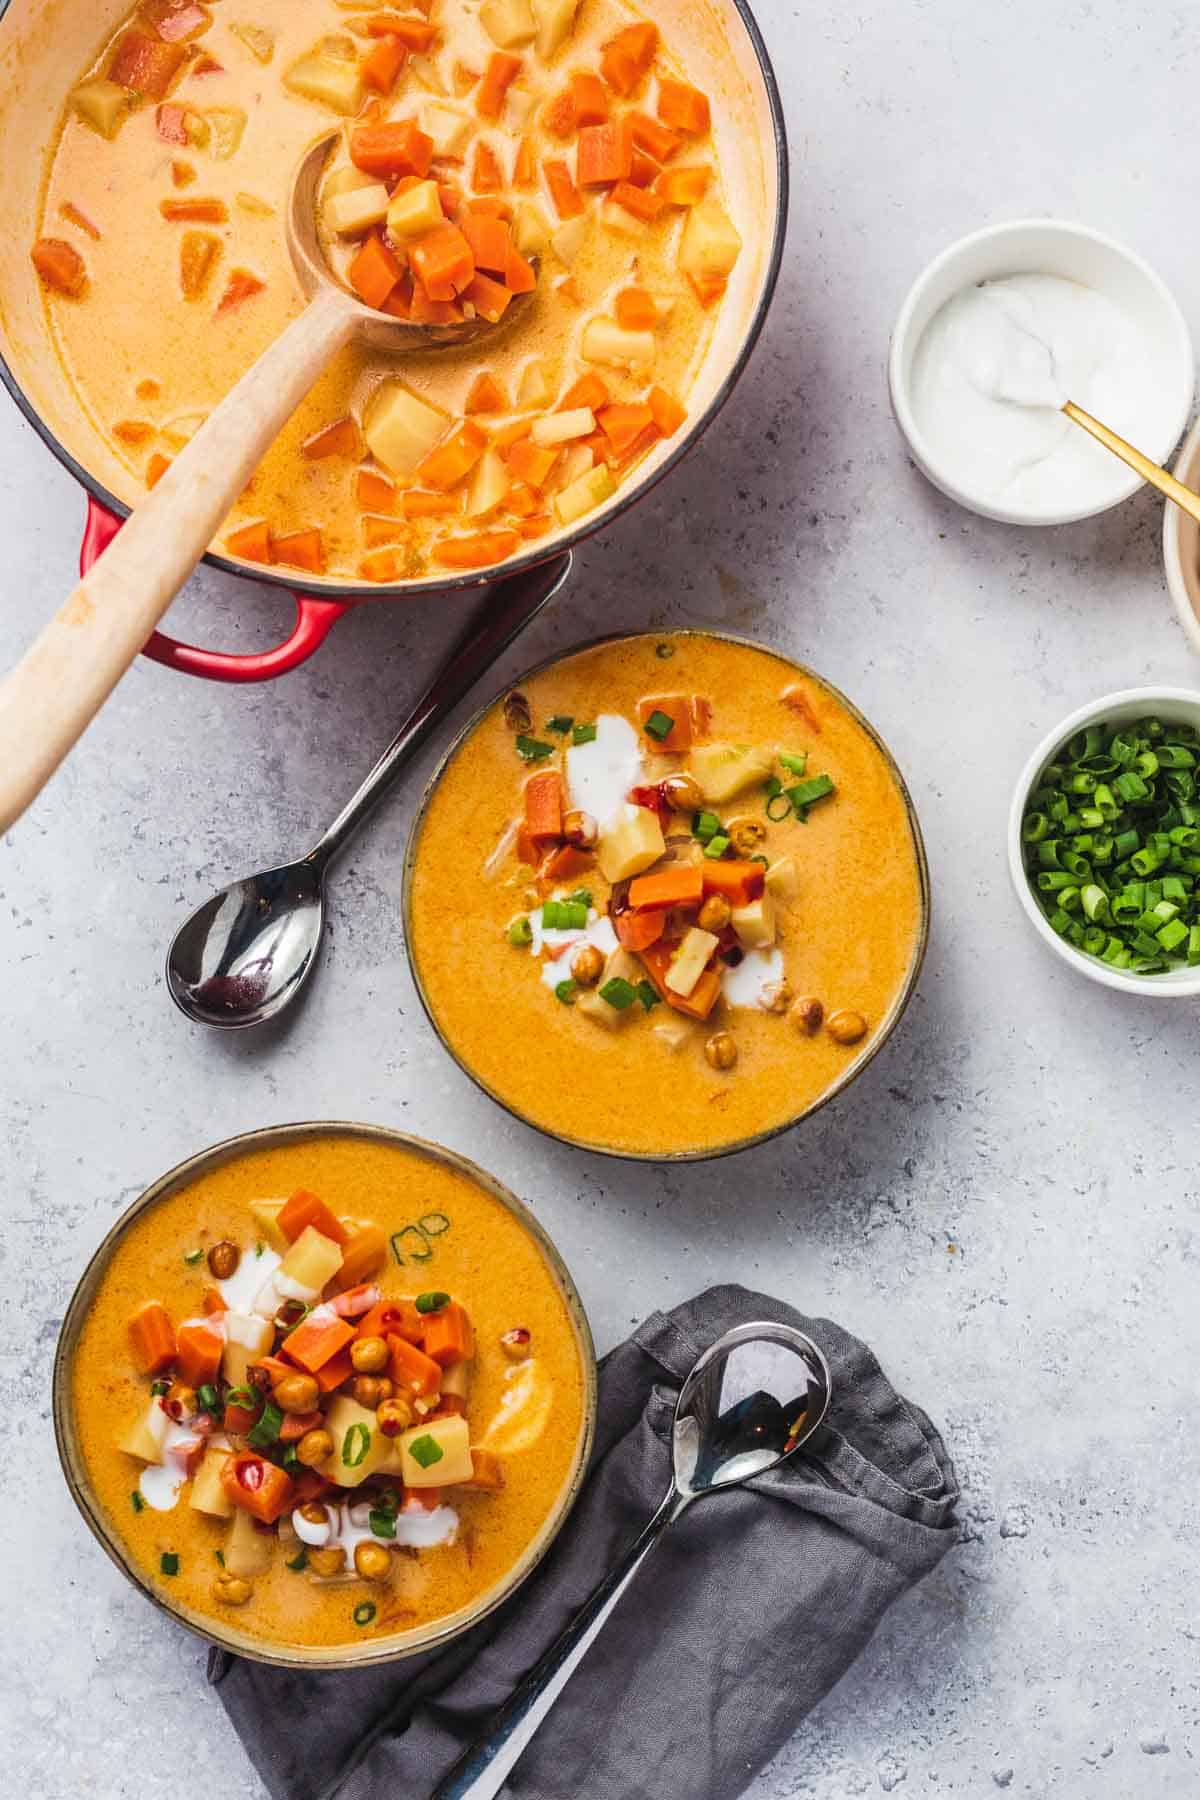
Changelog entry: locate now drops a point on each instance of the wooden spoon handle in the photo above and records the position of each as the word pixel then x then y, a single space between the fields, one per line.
pixel 1149 471
pixel 70 669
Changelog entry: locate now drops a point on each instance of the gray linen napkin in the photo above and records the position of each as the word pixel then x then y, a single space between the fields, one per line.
pixel 746 1614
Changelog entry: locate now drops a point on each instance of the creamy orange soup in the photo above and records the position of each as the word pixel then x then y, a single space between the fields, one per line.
pixel 446 1465
pixel 536 150
pixel 664 897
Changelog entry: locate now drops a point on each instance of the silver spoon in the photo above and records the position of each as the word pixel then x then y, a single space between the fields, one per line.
pixel 246 953
pixel 748 1403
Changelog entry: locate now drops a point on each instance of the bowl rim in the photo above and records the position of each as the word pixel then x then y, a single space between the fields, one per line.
pixel 1175 985
pixel 108 1535
pixel 853 1069
pixel 900 348
pixel 1172 541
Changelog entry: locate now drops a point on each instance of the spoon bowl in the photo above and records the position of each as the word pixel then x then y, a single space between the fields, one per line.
pixel 246 953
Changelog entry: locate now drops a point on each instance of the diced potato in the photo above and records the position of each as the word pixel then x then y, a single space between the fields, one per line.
pixel 754 924
pixel 723 770
pixel 634 839
pixel 349 214
pixel 710 244
pixel 674 1033
pixel 102 104
pixel 312 1260
pixel 179 431
pixel 561 427
pixel 622 221
pixel 488 1471
pixel 569 238
pixel 207 1495
pixel 144 1439
pixel 619 965
pixel 576 461
pixel 509 23
pixel 589 491
pixel 690 960
pixel 226 124
pixel 414 212
pixel 450 1438
pixel 344 181
pixel 782 881
pixel 490 482
pixel 247 1549
pixel 426 73
pixel 265 1214
pixel 531 232
pixel 664 306
pixel 259 41
pixel 341 1421
pixel 604 341
pixel 456 1380
pixel 247 1336
pixel 555 23
pixel 401 429
pixel 519 103
pixel 327 80
pixel 449 127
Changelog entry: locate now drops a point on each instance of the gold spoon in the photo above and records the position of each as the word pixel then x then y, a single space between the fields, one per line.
pixel 1149 471
pixel 70 669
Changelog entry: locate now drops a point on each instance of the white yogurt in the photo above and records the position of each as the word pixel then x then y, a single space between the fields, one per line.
pixel 349 1526
pixel 758 969
pixel 240 1288
pixel 159 1483
pixel 599 931
pixel 991 373
pixel 600 774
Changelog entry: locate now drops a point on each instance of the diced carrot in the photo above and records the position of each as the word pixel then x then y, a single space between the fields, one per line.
pixel 643 170
pixel 604 154
pixel 308 1485
pixel 665 410
pixel 708 288
pixel 487 1471
pixel 424 311
pixel 448 1335
pixel 296 1424
pixel 520 276
pixel 411 1370
pixel 198 253
pixel 174 20
pixel 341 438
pixel 417 505
pixel 531 463
pixel 73 216
pixel 685 186
pixel 537 526
pixel 499 75
pixel 300 550
pixel 450 197
pixel 252 543
pixel 442 261
pixel 60 266
pixel 206 65
pixel 599 446
pixel 489 206
pixel 380 68
pixel 567 199
pixel 680 885
pixel 398 147
pixel 393 1318
pixel 701 715
pixel 521 500
pixel 146 64
pixel 683 107
pixel 303 1209
pixel 486 174
pixel 525 850
pixel 133 431
pixel 656 959
pixel 261 1488
pixel 636 310
pixel 489 298
pixel 268 1371
pixel 569 290
pixel 653 137
pixel 510 433
pixel 382 531
pixel 636 931
pixel 152 1338
pixel 363 1255
pixel 411 32
pixel 316 1340
pixel 677 707
pixel 240 1419
pixel 381 565
pixel 627 56
pixel 424 1499
pixel 198 1354
pixel 623 425
pixel 486 395
pixel 477 552
pixel 738 882
pixel 201 212
pixel 565 864
pixel 214 1301
pixel 242 285
pixel 488 238
pixel 641 202
pixel 451 461
pixel 591 98
pixel 374 271
pixel 558 115
pixel 590 391
pixel 182 174
pixel 544 807
pixel 450 1406
pixel 170 122
pixel 331 1375
pixel 524 164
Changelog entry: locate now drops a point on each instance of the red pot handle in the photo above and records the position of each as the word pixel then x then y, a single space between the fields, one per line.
pixel 314 620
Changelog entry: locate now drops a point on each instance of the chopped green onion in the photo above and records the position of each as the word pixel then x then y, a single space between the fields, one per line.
pixel 298 1562
pixel 647 994
pixel 664 651
pixel 772 786
pixel 564 915
pixel 432 1302
pixel 561 722
pixel 220 1556
pixel 364 1612
pixel 159 1388
pixel 168 1562
pixel 192 1257
pixel 531 749
pixel 778 807
pixel 245 1397
pixel 581 897
pixel 210 1400
pixel 716 847
pixel 806 792
pixel 565 991
pixel 266 1432
pixel 583 734
pixel 659 725
pixel 426 1451
pixel 619 993
pixel 383 1524
pixel 355 1445
pixel 136 1501
pixel 259 1247
pixel 795 765
pixel 520 931
pixel 705 825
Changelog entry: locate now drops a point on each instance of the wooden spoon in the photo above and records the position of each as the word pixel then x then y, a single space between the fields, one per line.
pixel 70 669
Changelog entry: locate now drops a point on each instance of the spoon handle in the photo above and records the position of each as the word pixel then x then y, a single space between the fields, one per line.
pixel 68 672
pixel 503 614
pixel 1149 471
pixel 482 1770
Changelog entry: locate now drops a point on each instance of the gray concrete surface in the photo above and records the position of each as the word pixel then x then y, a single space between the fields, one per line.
pixel 1005 1205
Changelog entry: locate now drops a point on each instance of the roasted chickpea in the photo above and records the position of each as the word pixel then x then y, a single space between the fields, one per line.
pixel 315 1447
pixel 715 914
pixel 394 1416
pixel 587 965
pixel 297 1393
pixel 517 1343
pixel 180 1402
pixel 775 997
pixel 369 1390
pixel 372 1562
pixel 223 1260
pixel 369 1355
pixel 517 715
pixel 330 1560
pixel 231 1590
pixel 580 830
pixel 682 792
pixel 806 1014
pixel 846 1027
pixel 720 1050
pixel 746 834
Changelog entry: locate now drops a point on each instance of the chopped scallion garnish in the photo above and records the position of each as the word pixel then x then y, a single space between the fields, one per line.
pixel 778 807
pixel 664 651
pixel 659 725
pixel 583 734
pixel 705 825
pixel 158 1388
pixel 210 1400
pixel 364 1612
pixel 265 1433
pixel 168 1562
pixel 647 994
pixel 520 931
pixel 619 993
pixel 192 1257
pixel 716 846
pixel 355 1445
pixel 432 1302
pixel 383 1524
pixel 298 1562
pixel 565 991
pixel 806 792
pixel 259 1247
pixel 795 765
pixel 220 1556
pixel 136 1501
pixel 561 723
pixel 531 749
pixel 772 786
pixel 581 897
pixel 564 915
pixel 426 1451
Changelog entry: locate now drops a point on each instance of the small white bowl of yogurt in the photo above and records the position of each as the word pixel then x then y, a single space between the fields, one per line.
pixel 999 331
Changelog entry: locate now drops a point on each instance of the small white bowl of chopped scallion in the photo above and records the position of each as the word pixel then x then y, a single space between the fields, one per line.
pixel 1104 840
